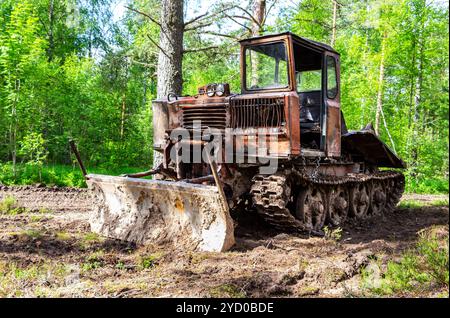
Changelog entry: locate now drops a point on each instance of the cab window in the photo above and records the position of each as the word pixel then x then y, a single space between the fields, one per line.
pixel 332 89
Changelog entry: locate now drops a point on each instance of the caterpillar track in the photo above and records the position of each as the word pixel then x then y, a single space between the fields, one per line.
pixel 280 199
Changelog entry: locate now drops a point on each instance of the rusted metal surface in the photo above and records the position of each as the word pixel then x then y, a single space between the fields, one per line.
pixel 153 211
pixel 333 132
pixel 272 195
pixel 161 122
pixel 294 132
pixel 302 129
pixel 212 116
pixel 333 118
pixel 257 113
pixel 310 43
pixel 74 148
pixel 370 148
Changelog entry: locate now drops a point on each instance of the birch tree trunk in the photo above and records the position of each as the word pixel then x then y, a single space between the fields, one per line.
pixel 51 40
pixel 380 85
pixel 333 36
pixel 417 101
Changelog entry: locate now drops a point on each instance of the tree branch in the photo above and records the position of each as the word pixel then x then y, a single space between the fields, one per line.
pixel 249 14
pixel 223 35
pixel 266 14
pixel 143 63
pixel 200 49
pixel 196 19
pixel 157 45
pixel 239 23
pixel 317 22
pixel 145 15
pixel 241 17
pixel 198 26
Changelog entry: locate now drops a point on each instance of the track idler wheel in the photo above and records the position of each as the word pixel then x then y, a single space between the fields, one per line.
pixel 338 205
pixel 394 190
pixel 379 198
pixel 310 208
pixel 359 200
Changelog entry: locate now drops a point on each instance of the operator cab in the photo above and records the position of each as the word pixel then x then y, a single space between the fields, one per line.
pixel 310 70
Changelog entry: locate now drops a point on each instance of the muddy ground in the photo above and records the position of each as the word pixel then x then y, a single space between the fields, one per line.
pixel 48 250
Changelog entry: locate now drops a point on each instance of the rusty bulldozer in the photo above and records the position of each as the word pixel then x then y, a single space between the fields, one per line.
pixel 289 157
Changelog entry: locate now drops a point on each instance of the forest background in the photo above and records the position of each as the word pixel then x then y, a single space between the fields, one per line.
pixel 88 70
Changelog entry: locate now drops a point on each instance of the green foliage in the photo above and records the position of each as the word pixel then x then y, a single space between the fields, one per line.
pixel 33 234
pixel 415 86
pixel 71 71
pixel 435 254
pixel 9 206
pixel 408 204
pixel 333 234
pixel 429 185
pixel 93 261
pixel 227 290
pixel 55 175
pixel 53 88
pixel 427 264
pixel 149 261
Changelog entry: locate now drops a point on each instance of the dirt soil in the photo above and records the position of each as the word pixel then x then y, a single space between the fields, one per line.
pixel 49 251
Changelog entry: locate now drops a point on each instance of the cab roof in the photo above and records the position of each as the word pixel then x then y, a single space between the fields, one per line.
pixel 310 43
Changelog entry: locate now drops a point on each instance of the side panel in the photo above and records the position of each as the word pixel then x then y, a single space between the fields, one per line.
pixel 292 104
pixel 160 123
pixel 333 110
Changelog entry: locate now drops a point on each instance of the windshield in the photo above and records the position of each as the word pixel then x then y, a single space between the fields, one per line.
pixel 266 66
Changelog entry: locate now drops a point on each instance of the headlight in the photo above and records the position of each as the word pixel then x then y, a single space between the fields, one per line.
pixel 220 89
pixel 210 90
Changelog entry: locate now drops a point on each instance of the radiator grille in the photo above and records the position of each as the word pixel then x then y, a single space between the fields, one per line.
pixel 213 116
pixel 257 112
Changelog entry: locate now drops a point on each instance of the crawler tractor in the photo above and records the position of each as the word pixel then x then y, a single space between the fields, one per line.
pixel 289 107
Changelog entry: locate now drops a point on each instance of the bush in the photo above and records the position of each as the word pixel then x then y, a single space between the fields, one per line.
pixel 423 267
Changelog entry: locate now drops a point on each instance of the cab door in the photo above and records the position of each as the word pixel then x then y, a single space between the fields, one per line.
pixel 332 103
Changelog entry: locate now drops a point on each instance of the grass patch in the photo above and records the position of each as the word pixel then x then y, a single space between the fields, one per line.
pixel 423 268
pixel 227 291
pixel 63 236
pixel 45 211
pixel 440 203
pixel 120 265
pixel 36 218
pixel 332 234
pixel 33 234
pixel 9 206
pixel 55 175
pixel 34 280
pixel 91 237
pixel 198 257
pixel 149 261
pixel 426 185
pixel 93 261
pixel 415 204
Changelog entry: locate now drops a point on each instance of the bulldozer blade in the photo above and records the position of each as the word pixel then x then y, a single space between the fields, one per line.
pixel 191 216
